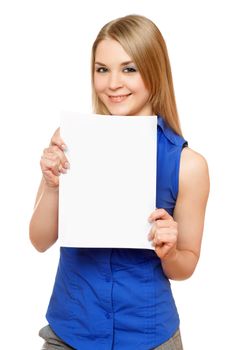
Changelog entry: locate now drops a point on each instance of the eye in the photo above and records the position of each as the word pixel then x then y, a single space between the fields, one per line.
pixel 101 70
pixel 129 69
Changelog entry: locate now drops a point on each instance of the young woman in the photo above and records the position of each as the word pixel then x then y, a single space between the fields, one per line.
pixel 121 299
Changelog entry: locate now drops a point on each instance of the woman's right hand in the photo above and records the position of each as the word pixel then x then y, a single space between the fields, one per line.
pixel 53 161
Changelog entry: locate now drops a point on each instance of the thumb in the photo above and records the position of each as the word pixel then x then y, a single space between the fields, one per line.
pixel 159 214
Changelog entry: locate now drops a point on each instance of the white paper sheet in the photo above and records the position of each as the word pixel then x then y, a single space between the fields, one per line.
pixel 109 191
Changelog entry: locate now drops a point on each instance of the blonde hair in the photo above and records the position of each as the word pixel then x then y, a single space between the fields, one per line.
pixel 144 43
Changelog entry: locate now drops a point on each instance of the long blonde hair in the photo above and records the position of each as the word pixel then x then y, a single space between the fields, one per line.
pixel 144 43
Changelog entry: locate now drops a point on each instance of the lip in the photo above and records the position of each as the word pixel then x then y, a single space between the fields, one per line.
pixel 118 98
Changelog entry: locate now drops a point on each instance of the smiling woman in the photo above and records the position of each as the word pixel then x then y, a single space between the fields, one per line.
pixel 121 299
pixel 132 49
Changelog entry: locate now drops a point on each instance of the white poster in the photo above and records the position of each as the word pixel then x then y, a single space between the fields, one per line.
pixel 109 191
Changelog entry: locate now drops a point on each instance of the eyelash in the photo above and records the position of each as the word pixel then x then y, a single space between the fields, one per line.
pixel 104 70
pixel 99 70
pixel 131 69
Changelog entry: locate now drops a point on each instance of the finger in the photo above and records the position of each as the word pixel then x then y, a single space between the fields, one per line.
pixel 56 140
pixel 150 236
pixel 53 152
pixel 152 232
pixel 159 214
pixel 161 227
pixel 165 237
pixel 163 251
pixel 51 165
pixel 165 223
pixel 53 149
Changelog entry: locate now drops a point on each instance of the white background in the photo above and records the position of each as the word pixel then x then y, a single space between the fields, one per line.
pixel 45 56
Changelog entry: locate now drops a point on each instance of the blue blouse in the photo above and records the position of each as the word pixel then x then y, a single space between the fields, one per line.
pixel 119 299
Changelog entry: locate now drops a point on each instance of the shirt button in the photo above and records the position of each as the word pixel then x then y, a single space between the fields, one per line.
pixel 107 315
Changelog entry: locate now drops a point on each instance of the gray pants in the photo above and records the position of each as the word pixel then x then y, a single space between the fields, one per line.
pixel 52 342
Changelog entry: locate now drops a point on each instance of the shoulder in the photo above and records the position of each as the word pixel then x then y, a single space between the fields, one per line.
pixel 194 173
pixel 192 161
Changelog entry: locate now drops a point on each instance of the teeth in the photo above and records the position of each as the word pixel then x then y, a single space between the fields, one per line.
pixel 118 98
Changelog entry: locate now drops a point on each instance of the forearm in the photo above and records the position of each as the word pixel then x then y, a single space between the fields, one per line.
pixel 180 264
pixel 43 227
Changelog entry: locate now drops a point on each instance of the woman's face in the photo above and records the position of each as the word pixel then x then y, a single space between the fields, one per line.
pixel 117 81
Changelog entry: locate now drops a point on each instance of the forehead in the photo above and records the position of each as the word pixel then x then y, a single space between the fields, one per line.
pixel 110 51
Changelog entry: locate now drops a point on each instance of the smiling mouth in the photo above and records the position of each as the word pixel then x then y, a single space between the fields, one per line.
pixel 118 98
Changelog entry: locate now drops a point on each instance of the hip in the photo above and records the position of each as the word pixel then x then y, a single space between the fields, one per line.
pixel 53 342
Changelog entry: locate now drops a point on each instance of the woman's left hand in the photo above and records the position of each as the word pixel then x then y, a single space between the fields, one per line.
pixel 163 233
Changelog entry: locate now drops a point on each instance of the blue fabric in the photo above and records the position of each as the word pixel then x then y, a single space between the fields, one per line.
pixel 119 299
pixel 169 146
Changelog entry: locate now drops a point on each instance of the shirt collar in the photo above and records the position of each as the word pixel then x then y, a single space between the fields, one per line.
pixel 169 133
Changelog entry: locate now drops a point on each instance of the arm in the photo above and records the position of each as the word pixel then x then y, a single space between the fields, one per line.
pixel 43 228
pixel 177 240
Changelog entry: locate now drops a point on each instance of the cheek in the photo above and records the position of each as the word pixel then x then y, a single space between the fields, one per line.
pixel 135 84
pixel 141 86
pixel 142 90
pixel 99 84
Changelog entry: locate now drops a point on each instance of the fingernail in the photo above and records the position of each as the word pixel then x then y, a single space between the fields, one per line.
pixel 64 147
pixel 67 165
pixel 62 171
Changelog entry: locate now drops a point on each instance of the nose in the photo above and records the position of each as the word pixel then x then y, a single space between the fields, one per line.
pixel 115 81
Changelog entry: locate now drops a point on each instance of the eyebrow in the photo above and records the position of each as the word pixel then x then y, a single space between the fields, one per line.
pixel 122 64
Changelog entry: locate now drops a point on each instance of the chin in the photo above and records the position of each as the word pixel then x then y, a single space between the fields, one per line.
pixel 119 111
